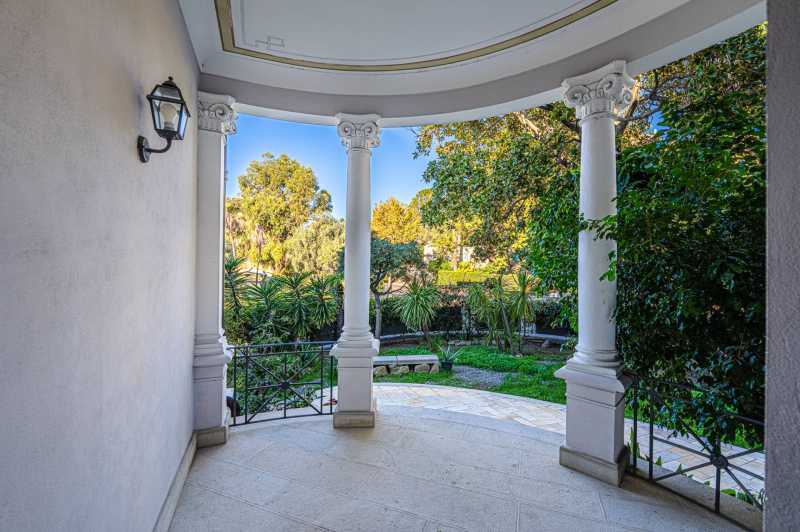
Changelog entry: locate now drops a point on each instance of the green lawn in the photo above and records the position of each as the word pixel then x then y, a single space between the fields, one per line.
pixel 527 375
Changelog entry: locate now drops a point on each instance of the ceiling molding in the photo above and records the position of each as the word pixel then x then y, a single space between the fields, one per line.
pixel 693 26
pixel 228 39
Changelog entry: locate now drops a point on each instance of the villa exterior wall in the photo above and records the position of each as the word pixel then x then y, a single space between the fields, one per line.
pixel 783 267
pixel 97 254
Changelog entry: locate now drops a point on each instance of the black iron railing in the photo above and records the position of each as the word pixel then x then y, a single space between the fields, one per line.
pixel 280 381
pixel 661 405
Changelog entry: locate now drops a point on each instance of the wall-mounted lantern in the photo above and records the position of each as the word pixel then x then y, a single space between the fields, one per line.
pixel 170 116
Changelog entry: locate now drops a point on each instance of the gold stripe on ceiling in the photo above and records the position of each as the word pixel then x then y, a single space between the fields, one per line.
pixel 225 20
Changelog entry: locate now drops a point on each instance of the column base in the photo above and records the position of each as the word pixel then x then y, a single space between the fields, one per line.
pixel 609 472
pixel 355 420
pixel 214 435
pixel 356 406
pixel 595 439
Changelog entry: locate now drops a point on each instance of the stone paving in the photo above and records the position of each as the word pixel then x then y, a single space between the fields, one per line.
pixel 552 417
pixel 419 469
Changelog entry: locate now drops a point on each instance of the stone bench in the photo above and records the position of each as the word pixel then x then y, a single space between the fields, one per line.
pixel 397 365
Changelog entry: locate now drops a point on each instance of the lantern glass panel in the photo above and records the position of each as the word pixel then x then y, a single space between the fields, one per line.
pixel 184 119
pixel 169 116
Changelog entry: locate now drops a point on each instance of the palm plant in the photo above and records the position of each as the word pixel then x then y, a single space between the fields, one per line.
pixel 479 305
pixel 266 305
pixel 490 303
pixel 234 299
pixel 324 300
pixel 522 306
pixel 417 306
pixel 296 303
pixel 500 302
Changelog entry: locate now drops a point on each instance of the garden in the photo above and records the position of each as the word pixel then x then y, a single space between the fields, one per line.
pixel 485 258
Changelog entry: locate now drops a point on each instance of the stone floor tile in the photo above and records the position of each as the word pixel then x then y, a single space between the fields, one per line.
pixel 656 517
pixel 434 467
pixel 239 447
pixel 433 526
pixel 234 480
pixel 446 504
pixel 535 518
pixel 202 510
pixel 462 451
pixel 328 509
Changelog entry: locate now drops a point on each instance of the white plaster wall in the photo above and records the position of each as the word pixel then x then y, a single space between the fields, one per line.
pixel 783 268
pixel 96 265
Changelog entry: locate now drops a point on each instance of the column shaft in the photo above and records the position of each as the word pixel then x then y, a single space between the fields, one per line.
pixel 356 346
pixel 356 331
pixel 596 298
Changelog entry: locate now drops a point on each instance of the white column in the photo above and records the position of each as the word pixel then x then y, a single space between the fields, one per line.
pixel 216 119
pixel 356 346
pixel 594 441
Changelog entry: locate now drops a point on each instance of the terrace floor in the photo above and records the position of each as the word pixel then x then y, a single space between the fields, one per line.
pixel 421 468
pixel 552 417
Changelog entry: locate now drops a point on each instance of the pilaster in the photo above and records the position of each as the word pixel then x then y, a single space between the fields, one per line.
pixel 216 120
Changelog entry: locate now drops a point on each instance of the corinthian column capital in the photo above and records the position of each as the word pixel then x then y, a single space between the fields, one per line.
pixel 603 92
pixel 216 113
pixel 359 131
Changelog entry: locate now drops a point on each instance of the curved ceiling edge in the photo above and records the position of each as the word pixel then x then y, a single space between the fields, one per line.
pixel 226 32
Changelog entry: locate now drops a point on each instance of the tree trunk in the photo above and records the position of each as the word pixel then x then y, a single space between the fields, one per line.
pixel 378 315
pixel 506 328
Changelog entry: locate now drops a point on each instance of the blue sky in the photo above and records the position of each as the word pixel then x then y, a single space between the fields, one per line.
pixel 394 171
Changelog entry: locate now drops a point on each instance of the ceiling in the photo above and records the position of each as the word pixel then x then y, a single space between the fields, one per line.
pixel 420 61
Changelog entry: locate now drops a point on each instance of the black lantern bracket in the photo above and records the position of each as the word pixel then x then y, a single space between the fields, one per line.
pixel 170 115
pixel 145 150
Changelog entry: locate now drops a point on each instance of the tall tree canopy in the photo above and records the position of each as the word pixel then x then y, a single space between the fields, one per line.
pixel 396 222
pixel 278 196
pixel 315 247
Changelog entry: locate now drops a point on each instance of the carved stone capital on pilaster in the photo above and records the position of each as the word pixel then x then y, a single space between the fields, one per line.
pixel 215 113
pixel 359 131
pixel 603 92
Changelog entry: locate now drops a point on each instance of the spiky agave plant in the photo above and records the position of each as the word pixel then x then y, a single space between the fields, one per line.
pixel 234 300
pixel 417 306
pixel 266 308
pixel 296 302
pixel 499 299
pixel 522 306
pixel 324 300
pixel 479 305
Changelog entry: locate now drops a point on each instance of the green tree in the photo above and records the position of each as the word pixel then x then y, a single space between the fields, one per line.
pixel 396 222
pixel 690 231
pixel 278 196
pixel 392 266
pixel 315 247
pixel 236 241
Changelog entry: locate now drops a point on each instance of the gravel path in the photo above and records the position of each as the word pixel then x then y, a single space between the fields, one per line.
pixel 480 377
